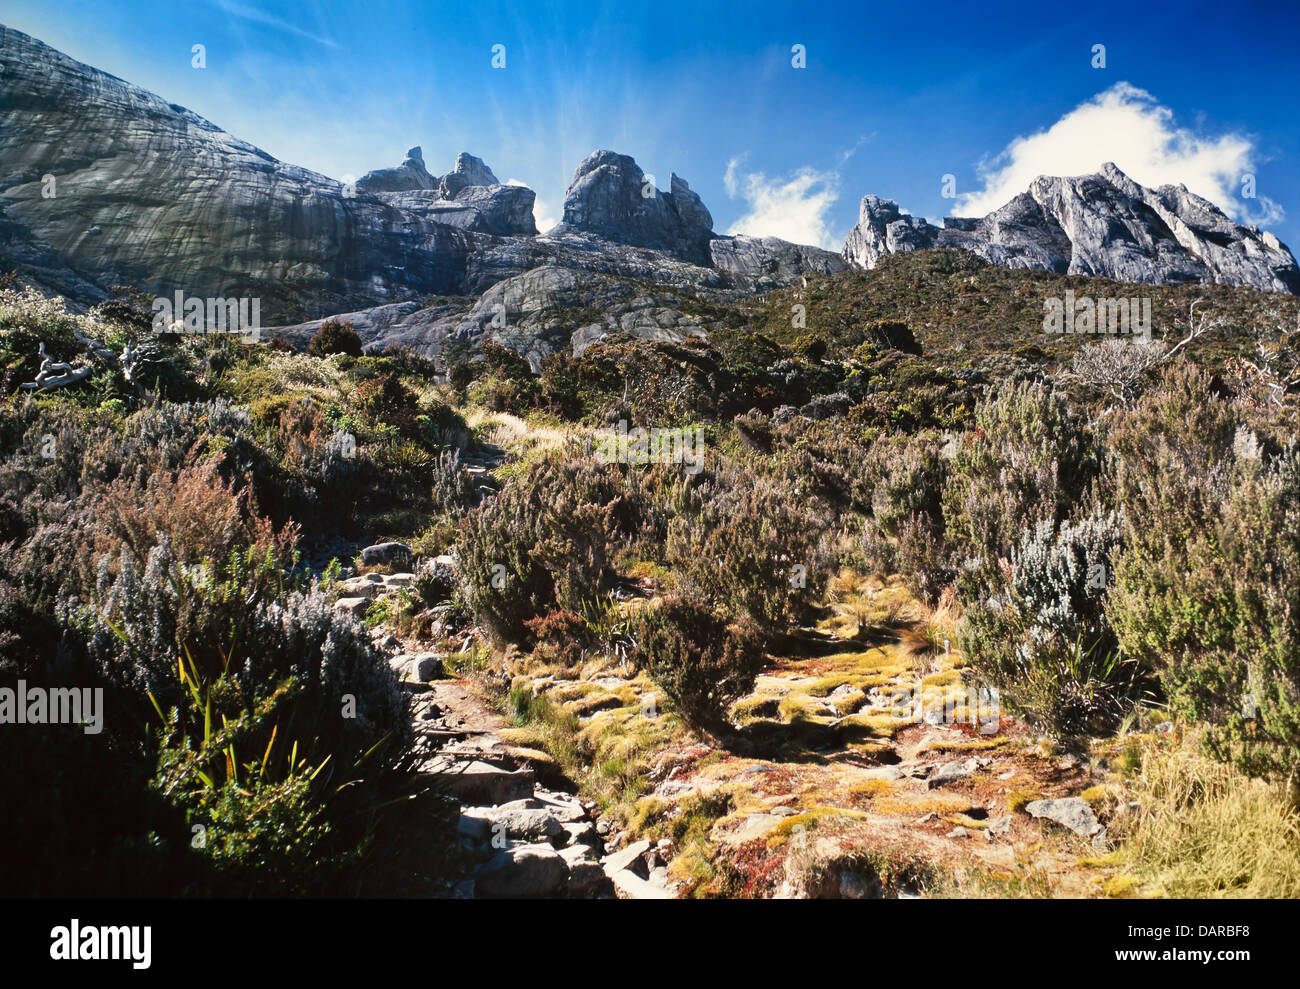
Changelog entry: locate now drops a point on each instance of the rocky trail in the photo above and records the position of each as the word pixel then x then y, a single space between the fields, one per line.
pixel 860 765
pixel 525 838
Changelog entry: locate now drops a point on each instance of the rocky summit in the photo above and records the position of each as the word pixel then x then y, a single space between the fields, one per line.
pixel 611 197
pixel 106 184
pixel 1103 225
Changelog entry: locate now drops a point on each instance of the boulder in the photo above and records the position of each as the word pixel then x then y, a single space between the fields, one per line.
pixel 478 782
pixel 352 606
pixel 630 886
pixel 427 666
pixel 366 586
pixel 528 870
pixel 1071 812
pixel 385 554
pixel 949 772
pixel 525 824
pixel 625 858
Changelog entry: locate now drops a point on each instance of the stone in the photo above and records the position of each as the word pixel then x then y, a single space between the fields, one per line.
pixel 477 782
pixel 566 811
pixel 577 853
pixel 949 772
pixel 475 823
pixel 524 824
pixel 365 585
pixel 1071 812
pixel 582 833
pixel 958 832
pixel 755 826
pixel 385 554
pixel 630 886
pixel 352 606
pixel 623 859
pixel 527 870
pixel 585 874
pixel 388 642
pixel 427 666
pixel 1000 826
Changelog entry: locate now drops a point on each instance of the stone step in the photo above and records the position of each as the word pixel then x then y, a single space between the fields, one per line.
pixel 479 782
pixel 630 886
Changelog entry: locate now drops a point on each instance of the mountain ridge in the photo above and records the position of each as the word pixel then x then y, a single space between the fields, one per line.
pixel 154 195
pixel 1102 224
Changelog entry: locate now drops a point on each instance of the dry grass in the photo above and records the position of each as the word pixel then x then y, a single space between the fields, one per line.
pixel 1208 832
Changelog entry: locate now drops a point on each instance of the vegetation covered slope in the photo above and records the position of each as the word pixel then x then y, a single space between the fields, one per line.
pixel 1109 536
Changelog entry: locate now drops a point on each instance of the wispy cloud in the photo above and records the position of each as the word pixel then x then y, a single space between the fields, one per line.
pixel 270 20
pixel 795 207
pixel 1130 127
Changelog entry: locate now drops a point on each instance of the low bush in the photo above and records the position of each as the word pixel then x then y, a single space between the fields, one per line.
pixel 701 661
pixel 1207 584
pixel 334 337
pixel 543 542
pixel 1045 642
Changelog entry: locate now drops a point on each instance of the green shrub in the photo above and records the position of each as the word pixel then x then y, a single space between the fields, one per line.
pixel 746 543
pixel 1207 584
pixel 1044 641
pixel 904 532
pixel 453 488
pixel 1027 459
pixel 334 337
pixel 543 541
pixel 700 660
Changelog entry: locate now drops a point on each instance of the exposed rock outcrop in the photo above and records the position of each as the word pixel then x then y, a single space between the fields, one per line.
pixel 406 177
pixel 1102 225
pixel 148 193
pixel 611 197
pixel 767 262
pixel 469 196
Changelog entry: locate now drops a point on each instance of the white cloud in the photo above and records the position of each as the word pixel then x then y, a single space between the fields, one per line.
pixel 793 208
pixel 1128 126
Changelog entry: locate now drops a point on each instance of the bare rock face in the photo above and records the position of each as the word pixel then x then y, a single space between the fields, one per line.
pixel 143 192
pixel 611 197
pixel 409 176
pixel 467 171
pixel 767 262
pixel 1101 225
pixel 468 197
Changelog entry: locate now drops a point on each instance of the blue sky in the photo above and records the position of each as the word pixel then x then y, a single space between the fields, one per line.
pixel 895 96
